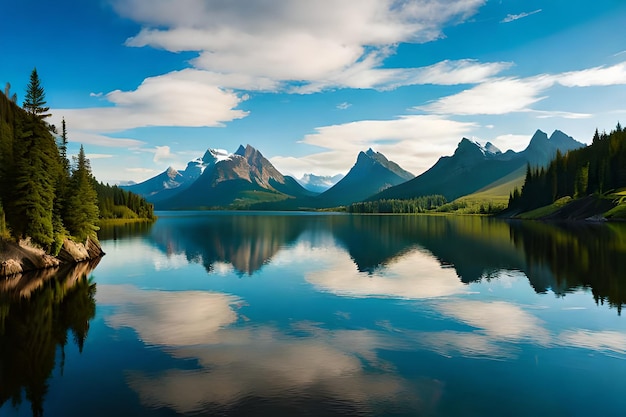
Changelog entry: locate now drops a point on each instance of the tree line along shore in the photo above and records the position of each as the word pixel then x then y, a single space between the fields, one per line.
pixel 50 204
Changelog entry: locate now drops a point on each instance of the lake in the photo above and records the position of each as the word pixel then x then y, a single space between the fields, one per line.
pixel 312 314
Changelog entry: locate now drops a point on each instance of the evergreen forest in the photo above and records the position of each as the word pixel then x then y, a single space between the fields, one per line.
pixel 421 204
pixel 44 195
pixel 599 168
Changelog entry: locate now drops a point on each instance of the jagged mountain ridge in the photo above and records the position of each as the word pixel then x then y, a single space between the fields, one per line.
pixel 473 166
pixel 220 179
pixel 172 181
pixel 246 178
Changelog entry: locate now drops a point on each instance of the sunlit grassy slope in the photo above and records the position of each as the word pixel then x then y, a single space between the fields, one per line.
pixel 495 194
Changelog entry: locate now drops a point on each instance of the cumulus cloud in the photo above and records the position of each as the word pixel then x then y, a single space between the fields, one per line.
pixel 325 42
pixel 415 142
pixel 181 98
pixel 163 153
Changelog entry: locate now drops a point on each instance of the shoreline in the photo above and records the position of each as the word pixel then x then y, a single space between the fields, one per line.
pixel 22 257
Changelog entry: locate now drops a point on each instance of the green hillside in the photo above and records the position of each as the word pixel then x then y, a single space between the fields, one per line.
pixel 492 198
pixel 583 183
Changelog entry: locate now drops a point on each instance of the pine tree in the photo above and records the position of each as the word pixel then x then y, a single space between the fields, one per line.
pixel 35 99
pixel 63 148
pixel 81 212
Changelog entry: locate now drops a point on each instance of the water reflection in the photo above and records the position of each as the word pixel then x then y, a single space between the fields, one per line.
pixel 246 241
pixel 369 315
pixel 37 312
pixel 558 257
pixel 564 257
pixel 305 368
pixel 116 231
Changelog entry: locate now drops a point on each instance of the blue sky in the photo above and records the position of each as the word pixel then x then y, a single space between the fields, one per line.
pixel 145 84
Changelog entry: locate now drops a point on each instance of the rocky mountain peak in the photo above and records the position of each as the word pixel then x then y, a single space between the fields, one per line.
pixel 538 139
pixel 241 151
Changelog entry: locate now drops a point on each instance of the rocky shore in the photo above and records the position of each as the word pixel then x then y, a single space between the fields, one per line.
pixel 18 258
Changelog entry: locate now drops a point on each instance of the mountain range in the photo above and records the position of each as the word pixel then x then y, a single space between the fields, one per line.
pixel 319 183
pixel 246 179
pixel 473 167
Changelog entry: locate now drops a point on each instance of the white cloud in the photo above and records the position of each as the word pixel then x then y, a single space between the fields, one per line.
pixel 414 142
pixel 344 106
pixel 181 98
pixel 506 95
pixel 91 138
pixel 597 76
pixel 464 71
pixel 542 114
pixel 163 153
pixel 510 141
pixel 513 17
pixel 499 96
pixel 98 156
pixel 365 74
pixel 326 42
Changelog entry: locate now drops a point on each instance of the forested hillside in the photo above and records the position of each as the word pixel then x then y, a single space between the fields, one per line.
pixel 43 195
pixel 596 169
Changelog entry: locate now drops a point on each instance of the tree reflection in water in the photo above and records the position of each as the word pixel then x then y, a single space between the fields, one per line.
pixel 37 313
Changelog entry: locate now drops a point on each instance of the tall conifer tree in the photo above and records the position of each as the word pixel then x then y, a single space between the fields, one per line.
pixel 81 212
pixel 35 99
pixel 34 172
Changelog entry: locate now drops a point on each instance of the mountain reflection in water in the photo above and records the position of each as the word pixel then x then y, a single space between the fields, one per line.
pixel 316 314
pixel 561 257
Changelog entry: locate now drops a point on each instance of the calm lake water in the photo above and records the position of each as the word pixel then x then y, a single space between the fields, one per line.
pixel 324 314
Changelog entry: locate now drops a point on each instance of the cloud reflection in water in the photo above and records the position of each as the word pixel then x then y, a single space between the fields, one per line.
pixel 301 364
pixel 415 275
